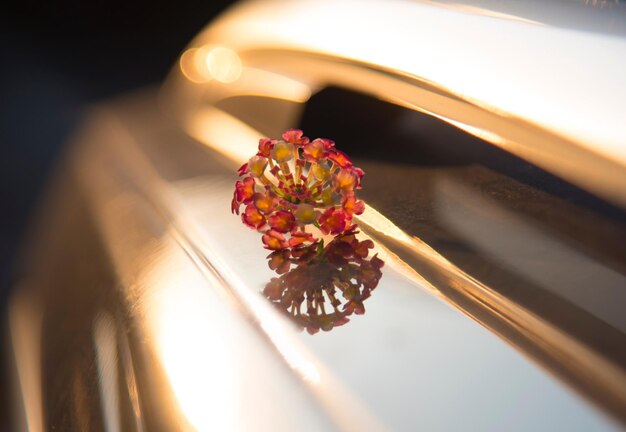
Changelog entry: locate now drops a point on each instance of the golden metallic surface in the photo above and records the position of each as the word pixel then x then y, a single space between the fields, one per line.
pixel 522 327
pixel 182 276
pixel 144 308
pixel 209 356
pixel 193 65
pixel 563 118
pixel 462 81
pixel 25 318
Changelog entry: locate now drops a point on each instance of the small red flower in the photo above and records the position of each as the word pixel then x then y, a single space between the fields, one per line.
pixel 359 176
pixel 332 221
pixel 256 165
pixel 353 206
pixel 294 136
pixel 293 183
pixel 265 147
pixel 265 203
pixel 346 180
pixel 282 221
pixel 243 169
pixel 274 240
pixel 305 213
pixel 244 190
pixel 320 171
pixel 234 204
pixel 282 152
pixel 340 158
pixel 328 144
pixel 300 237
pixel 314 151
pixel 253 218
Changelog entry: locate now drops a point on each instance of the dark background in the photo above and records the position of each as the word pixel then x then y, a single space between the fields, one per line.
pixel 56 57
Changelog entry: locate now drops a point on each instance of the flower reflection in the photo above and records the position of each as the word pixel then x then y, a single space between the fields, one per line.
pixel 320 287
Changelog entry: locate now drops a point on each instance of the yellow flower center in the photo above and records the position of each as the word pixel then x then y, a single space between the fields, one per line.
pixel 282 152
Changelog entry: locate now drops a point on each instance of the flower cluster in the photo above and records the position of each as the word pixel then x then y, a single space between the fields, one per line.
pixel 333 281
pixel 294 182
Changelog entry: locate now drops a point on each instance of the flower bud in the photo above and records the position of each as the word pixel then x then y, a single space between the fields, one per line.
pixel 282 152
pixel 305 213
pixel 320 171
pixel 257 165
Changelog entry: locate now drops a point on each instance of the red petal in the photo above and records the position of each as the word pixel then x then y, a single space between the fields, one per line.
pixel 243 169
pixel 265 146
pixel 282 221
pixel 245 190
pixel 253 218
pixel 265 203
pixel 328 144
pixel 332 221
pixel 274 240
pixel 340 158
pixel 353 206
pixel 294 136
pixel 314 150
pixel 299 238
pixel 234 204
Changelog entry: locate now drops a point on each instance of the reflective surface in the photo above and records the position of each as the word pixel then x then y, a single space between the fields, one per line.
pixel 146 301
pixel 559 338
pixel 326 285
pixel 486 252
pixel 407 339
pixel 574 131
pixel 188 278
pixel 142 337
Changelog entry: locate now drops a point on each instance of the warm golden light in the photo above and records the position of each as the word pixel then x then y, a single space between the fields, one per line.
pixel 220 245
pixel 25 318
pixel 193 65
pixel 224 64
pixel 400 44
pixel 194 350
pixel 201 65
pixel 467 81
pixel 224 133
pixel 105 343
pixel 258 82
